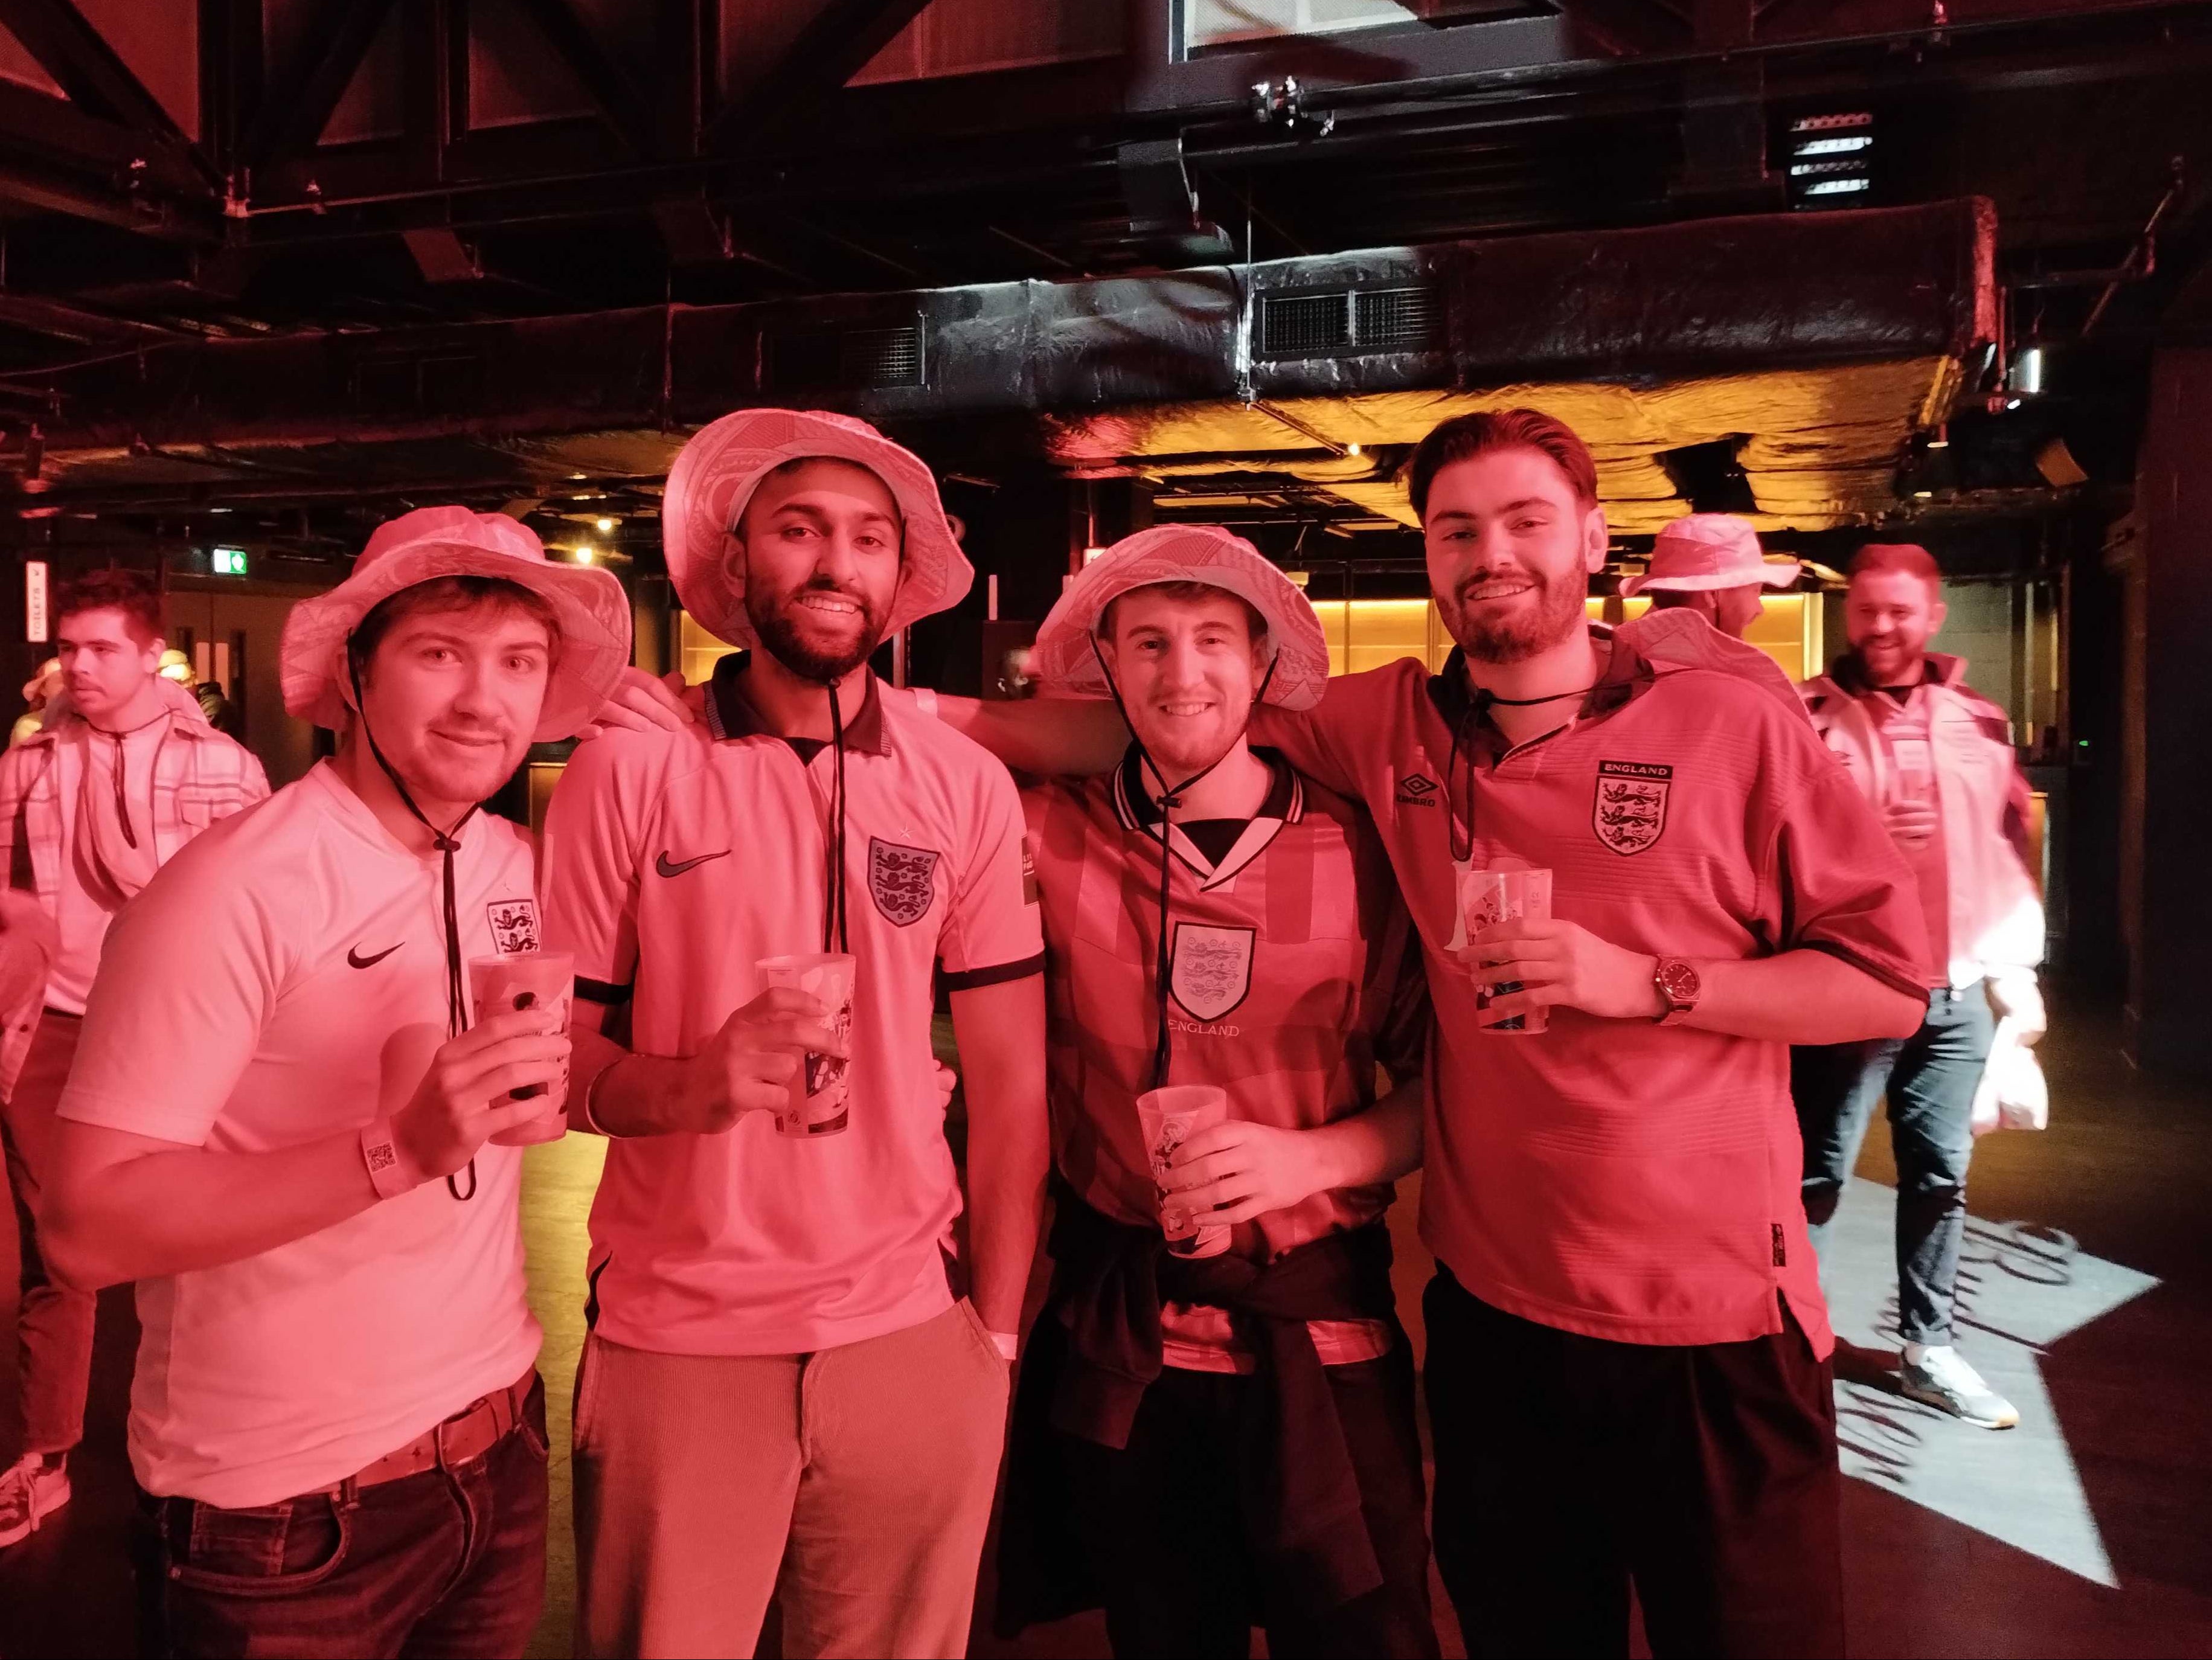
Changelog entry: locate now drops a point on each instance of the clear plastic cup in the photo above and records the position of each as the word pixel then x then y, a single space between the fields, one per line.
pixel 1169 1117
pixel 821 1091
pixel 1488 897
pixel 529 980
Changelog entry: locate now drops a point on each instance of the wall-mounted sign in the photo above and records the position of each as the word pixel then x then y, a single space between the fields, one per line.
pixel 227 562
pixel 36 625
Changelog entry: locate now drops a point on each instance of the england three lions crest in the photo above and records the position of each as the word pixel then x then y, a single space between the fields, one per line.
pixel 902 880
pixel 1628 811
pixel 1211 969
pixel 513 925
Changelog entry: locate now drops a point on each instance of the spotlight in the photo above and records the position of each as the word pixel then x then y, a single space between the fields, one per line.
pixel 584 555
pixel 606 526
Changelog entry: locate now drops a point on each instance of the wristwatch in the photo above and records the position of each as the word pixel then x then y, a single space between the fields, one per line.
pixel 1679 988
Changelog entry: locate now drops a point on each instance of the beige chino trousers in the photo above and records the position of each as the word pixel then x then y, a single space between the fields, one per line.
pixel 852 1485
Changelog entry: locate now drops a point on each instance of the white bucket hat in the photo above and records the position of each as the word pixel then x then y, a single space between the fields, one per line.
pixel 714 477
pixel 1704 550
pixel 588 604
pixel 1066 662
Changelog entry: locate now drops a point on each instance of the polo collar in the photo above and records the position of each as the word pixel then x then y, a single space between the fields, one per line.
pixel 730 712
pixel 1285 803
pixel 1627 671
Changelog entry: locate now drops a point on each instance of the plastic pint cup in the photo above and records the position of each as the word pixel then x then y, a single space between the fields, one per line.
pixel 1488 897
pixel 529 980
pixel 1169 1117
pixel 820 1098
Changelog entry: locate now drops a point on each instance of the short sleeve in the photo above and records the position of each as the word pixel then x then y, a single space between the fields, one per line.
pixel 190 972
pixel 992 932
pixel 1841 885
pixel 588 874
pixel 1306 738
pixel 1401 1046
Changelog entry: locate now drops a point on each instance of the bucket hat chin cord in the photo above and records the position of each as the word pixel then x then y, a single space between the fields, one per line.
pixel 1166 801
pixel 447 843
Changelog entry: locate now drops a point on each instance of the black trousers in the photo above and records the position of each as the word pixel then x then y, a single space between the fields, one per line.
pixel 1170 1548
pixel 1568 1467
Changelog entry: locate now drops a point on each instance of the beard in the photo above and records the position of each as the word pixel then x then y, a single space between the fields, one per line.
pixel 776 622
pixel 1516 636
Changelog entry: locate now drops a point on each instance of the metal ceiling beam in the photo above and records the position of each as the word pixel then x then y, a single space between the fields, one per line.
pixel 320 68
pixel 606 81
pixel 59 159
pixel 86 69
pixel 835 45
pixel 233 66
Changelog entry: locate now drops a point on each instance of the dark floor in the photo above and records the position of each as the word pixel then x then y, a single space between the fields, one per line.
pixel 2084 1532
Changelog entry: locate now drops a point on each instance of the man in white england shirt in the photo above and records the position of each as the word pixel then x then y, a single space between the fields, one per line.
pixel 336 1423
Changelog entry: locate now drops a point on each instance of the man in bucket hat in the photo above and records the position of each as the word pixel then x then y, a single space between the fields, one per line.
pixel 781 1395
pixel 1711 563
pixel 336 1424
pixel 1204 1443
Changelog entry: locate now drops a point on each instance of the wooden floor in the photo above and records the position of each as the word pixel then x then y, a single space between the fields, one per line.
pixel 2082 1533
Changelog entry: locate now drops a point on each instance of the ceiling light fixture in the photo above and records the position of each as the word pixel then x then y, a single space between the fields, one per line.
pixel 606 526
pixel 584 555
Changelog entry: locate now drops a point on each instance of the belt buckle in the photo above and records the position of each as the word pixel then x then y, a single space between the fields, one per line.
pixel 454 1428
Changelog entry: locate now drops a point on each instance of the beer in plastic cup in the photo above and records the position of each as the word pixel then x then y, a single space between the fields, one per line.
pixel 1488 897
pixel 529 980
pixel 1169 1117
pixel 821 1092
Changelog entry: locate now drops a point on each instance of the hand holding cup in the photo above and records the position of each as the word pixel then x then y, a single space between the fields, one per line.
pixel 748 1066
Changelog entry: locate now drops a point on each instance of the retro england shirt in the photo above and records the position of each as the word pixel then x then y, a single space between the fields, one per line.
pixel 280 981
pixel 1615 1177
pixel 1294 973
pixel 674 863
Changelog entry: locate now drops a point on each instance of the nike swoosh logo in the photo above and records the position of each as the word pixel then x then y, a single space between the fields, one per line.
pixel 357 960
pixel 668 866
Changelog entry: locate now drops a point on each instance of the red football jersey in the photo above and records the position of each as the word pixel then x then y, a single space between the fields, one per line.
pixel 1295 971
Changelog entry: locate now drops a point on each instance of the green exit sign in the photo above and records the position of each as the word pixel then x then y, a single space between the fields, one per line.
pixel 229 562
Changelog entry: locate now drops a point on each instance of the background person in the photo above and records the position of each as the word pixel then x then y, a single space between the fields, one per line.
pixel 1711 563
pixel 1212 918
pixel 1935 758
pixel 336 1424
pixel 38 691
pixel 123 771
pixel 781 1395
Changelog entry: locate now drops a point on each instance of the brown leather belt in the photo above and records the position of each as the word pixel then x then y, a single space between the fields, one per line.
pixel 469 1434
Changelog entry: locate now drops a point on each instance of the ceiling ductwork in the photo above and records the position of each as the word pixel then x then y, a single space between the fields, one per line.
pixel 1814 343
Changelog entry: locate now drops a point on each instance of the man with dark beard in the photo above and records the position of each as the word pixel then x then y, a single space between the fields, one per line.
pixel 1627 1370
pixel 783 1394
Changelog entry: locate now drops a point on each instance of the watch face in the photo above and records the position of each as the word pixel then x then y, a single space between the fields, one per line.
pixel 1679 981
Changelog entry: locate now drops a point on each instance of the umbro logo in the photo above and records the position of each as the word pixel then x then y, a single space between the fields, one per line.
pixel 356 960
pixel 1418 790
pixel 668 866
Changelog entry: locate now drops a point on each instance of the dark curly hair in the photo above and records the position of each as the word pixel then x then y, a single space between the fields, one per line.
pixel 130 592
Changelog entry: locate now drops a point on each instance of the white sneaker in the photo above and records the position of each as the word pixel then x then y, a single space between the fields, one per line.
pixel 31 1490
pixel 1942 1379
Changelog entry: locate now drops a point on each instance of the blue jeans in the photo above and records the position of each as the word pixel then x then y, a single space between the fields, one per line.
pixel 449 1562
pixel 1929 1079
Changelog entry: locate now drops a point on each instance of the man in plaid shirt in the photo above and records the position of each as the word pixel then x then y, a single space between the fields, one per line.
pixel 124 771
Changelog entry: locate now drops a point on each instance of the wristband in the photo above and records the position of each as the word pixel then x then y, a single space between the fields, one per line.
pixel 592 1089
pixel 925 700
pixel 1010 1345
pixel 380 1154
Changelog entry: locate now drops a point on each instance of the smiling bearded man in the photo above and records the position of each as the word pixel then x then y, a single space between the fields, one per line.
pixel 782 1395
